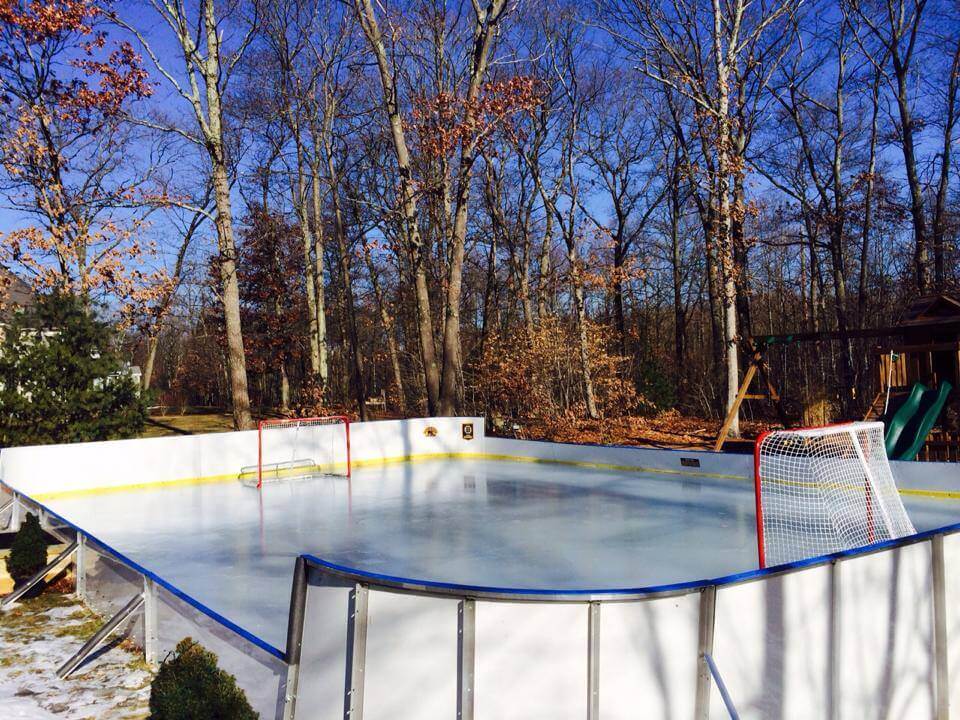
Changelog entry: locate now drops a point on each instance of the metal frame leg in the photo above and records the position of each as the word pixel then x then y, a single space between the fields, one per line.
pixel 39 576
pixel 151 642
pixel 80 568
pixel 8 505
pixel 16 515
pixel 100 635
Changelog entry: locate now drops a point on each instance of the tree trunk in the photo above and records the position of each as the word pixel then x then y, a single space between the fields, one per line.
pixel 153 342
pixel 408 204
pixel 920 252
pixel 724 217
pixel 868 202
pixel 487 21
pixel 310 277
pixel 620 317
pixel 943 187
pixel 386 319
pixel 543 267
pixel 230 289
pixel 679 316
pixel 576 284
pixel 320 303
pixel 230 294
pixel 343 248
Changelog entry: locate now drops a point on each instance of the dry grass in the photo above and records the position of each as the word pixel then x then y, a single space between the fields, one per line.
pixel 163 425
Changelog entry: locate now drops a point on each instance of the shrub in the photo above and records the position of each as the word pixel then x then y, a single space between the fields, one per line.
pixel 28 554
pixel 190 686
pixel 538 375
pixel 61 379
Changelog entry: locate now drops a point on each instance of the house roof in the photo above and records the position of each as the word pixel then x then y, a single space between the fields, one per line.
pixel 14 293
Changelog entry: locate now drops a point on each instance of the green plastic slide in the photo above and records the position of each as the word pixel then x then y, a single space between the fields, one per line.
pixel 908 429
pixel 902 417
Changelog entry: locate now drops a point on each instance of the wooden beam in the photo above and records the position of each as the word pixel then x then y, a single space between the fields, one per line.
pixel 735 408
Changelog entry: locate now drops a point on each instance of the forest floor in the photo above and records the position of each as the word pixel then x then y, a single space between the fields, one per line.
pixel 665 430
pixel 36 637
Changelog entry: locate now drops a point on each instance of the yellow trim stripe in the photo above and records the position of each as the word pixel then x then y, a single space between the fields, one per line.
pixel 424 457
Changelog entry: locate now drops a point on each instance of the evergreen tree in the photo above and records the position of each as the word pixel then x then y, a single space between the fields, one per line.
pixel 61 379
pixel 190 686
pixel 28 554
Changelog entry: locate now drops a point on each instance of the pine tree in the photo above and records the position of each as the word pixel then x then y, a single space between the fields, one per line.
pixel 28 553
pixel 189 686
pixel 61 379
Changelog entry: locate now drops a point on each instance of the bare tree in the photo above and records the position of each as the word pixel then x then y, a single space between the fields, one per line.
pixel 206 69
pixel 699 52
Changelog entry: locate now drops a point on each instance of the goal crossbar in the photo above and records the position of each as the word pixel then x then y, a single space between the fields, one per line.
pixel 824 489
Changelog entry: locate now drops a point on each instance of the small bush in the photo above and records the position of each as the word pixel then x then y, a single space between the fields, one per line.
pixel 28 554
pixel 190 686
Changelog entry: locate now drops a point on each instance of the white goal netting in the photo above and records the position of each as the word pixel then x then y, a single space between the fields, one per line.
pixel 294 448
pixel 821 490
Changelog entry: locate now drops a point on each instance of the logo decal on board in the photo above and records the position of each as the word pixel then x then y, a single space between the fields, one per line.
pixel 467 430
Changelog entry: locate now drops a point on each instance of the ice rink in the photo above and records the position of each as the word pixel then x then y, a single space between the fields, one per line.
pixel 489 523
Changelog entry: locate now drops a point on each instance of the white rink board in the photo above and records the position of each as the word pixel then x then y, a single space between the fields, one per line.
pixel 773 639
pixel 886 640
pixel 648 658
pixel 411 646
pixel 772 645
pixel 39 471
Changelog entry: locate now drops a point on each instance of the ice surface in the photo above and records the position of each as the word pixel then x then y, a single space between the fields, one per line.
pixel 488 523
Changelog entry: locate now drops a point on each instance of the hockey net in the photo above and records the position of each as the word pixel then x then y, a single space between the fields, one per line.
pixel 296 448
pixel 821 490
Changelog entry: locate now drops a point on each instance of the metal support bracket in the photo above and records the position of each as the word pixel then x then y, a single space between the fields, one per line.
pixel 708 608
pixel 727 700
pixel 39 576
pixel 593 661
pixel 466 658
pixel 940 649
pixel 298 604
pixel 100 635
pixel 8 505
pixel 356 652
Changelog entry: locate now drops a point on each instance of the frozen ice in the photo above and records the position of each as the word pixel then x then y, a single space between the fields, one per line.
pixel 475 522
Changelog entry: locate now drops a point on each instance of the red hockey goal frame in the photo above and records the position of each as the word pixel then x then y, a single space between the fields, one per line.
pixel 278 423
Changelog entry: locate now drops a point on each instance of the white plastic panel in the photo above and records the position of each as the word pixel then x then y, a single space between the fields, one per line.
pixel 324 654
pixel 648 658
pixel 951 561
pixel 50 469
pixel 411 662
pixel 531 661
pixel 718 466
pixel 771 646
pixel 259 673
pixel 886 612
